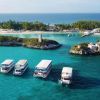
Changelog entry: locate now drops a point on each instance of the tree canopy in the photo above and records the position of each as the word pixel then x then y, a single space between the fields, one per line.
pixel 39 26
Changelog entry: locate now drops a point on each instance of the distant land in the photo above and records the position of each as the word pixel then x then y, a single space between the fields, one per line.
pixel 11 26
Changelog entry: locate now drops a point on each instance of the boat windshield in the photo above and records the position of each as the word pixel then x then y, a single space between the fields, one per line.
pixel 4 65
pixel 64 78
pixel 19 67
pixel 41 70
pixel 5 68
pixel 18 70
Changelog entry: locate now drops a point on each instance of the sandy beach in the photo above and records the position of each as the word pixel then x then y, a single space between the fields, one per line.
pixel 29 32
pixel 7 31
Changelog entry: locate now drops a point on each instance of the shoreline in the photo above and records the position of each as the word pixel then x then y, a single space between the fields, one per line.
pixel 39 32
pixel 32 32
pixel 33 43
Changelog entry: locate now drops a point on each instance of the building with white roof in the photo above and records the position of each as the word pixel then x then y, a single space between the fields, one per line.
pixel 96 30
pixel 93 47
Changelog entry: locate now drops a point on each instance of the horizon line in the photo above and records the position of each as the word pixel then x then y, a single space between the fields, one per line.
pixel 55 13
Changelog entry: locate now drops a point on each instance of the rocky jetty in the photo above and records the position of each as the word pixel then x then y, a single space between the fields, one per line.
pixel 86 49
pixel 29 43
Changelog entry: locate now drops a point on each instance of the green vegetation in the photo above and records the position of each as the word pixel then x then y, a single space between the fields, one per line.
pixel 8 39
pixel 82 46
pixel 61 27
pixel 83 49
pixel 31 43
pixel 86 25
pixel 34 42
pixel 39 26
pixel 23 25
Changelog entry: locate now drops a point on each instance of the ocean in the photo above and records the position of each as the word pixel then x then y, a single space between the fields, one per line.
pixel 50 18
pixel 86 74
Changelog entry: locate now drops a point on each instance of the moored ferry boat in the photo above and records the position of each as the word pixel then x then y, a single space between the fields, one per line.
pixel 6 66
pixel 20 67
pixel 43 68
pixel 66 75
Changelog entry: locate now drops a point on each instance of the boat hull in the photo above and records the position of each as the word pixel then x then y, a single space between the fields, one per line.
pixel 6 71
pixel 65 82
pixel 41 74
pixel 19 73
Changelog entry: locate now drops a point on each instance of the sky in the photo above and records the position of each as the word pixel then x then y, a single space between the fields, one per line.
pixel 49 6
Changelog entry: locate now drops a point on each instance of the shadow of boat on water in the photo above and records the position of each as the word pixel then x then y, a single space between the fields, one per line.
pixel 55 73
pixel 83 82
pixel 28 73
pixel 78 81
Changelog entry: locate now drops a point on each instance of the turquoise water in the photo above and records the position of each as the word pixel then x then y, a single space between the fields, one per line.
pixel 86 78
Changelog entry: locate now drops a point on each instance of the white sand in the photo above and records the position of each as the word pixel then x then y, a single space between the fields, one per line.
pixel 29 32
pixel 98 34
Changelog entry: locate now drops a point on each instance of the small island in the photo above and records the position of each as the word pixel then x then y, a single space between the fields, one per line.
pixel 86 49
pixel 34 43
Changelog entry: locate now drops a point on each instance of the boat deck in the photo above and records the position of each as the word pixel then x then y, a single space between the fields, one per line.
pixel 7 62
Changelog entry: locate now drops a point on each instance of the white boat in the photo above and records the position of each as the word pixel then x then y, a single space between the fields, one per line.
pixel 6 66
pixel 66 75
pixel 20 67
pixel 43 68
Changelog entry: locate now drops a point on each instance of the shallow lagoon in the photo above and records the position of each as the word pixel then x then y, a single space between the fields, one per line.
pixel 86 78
